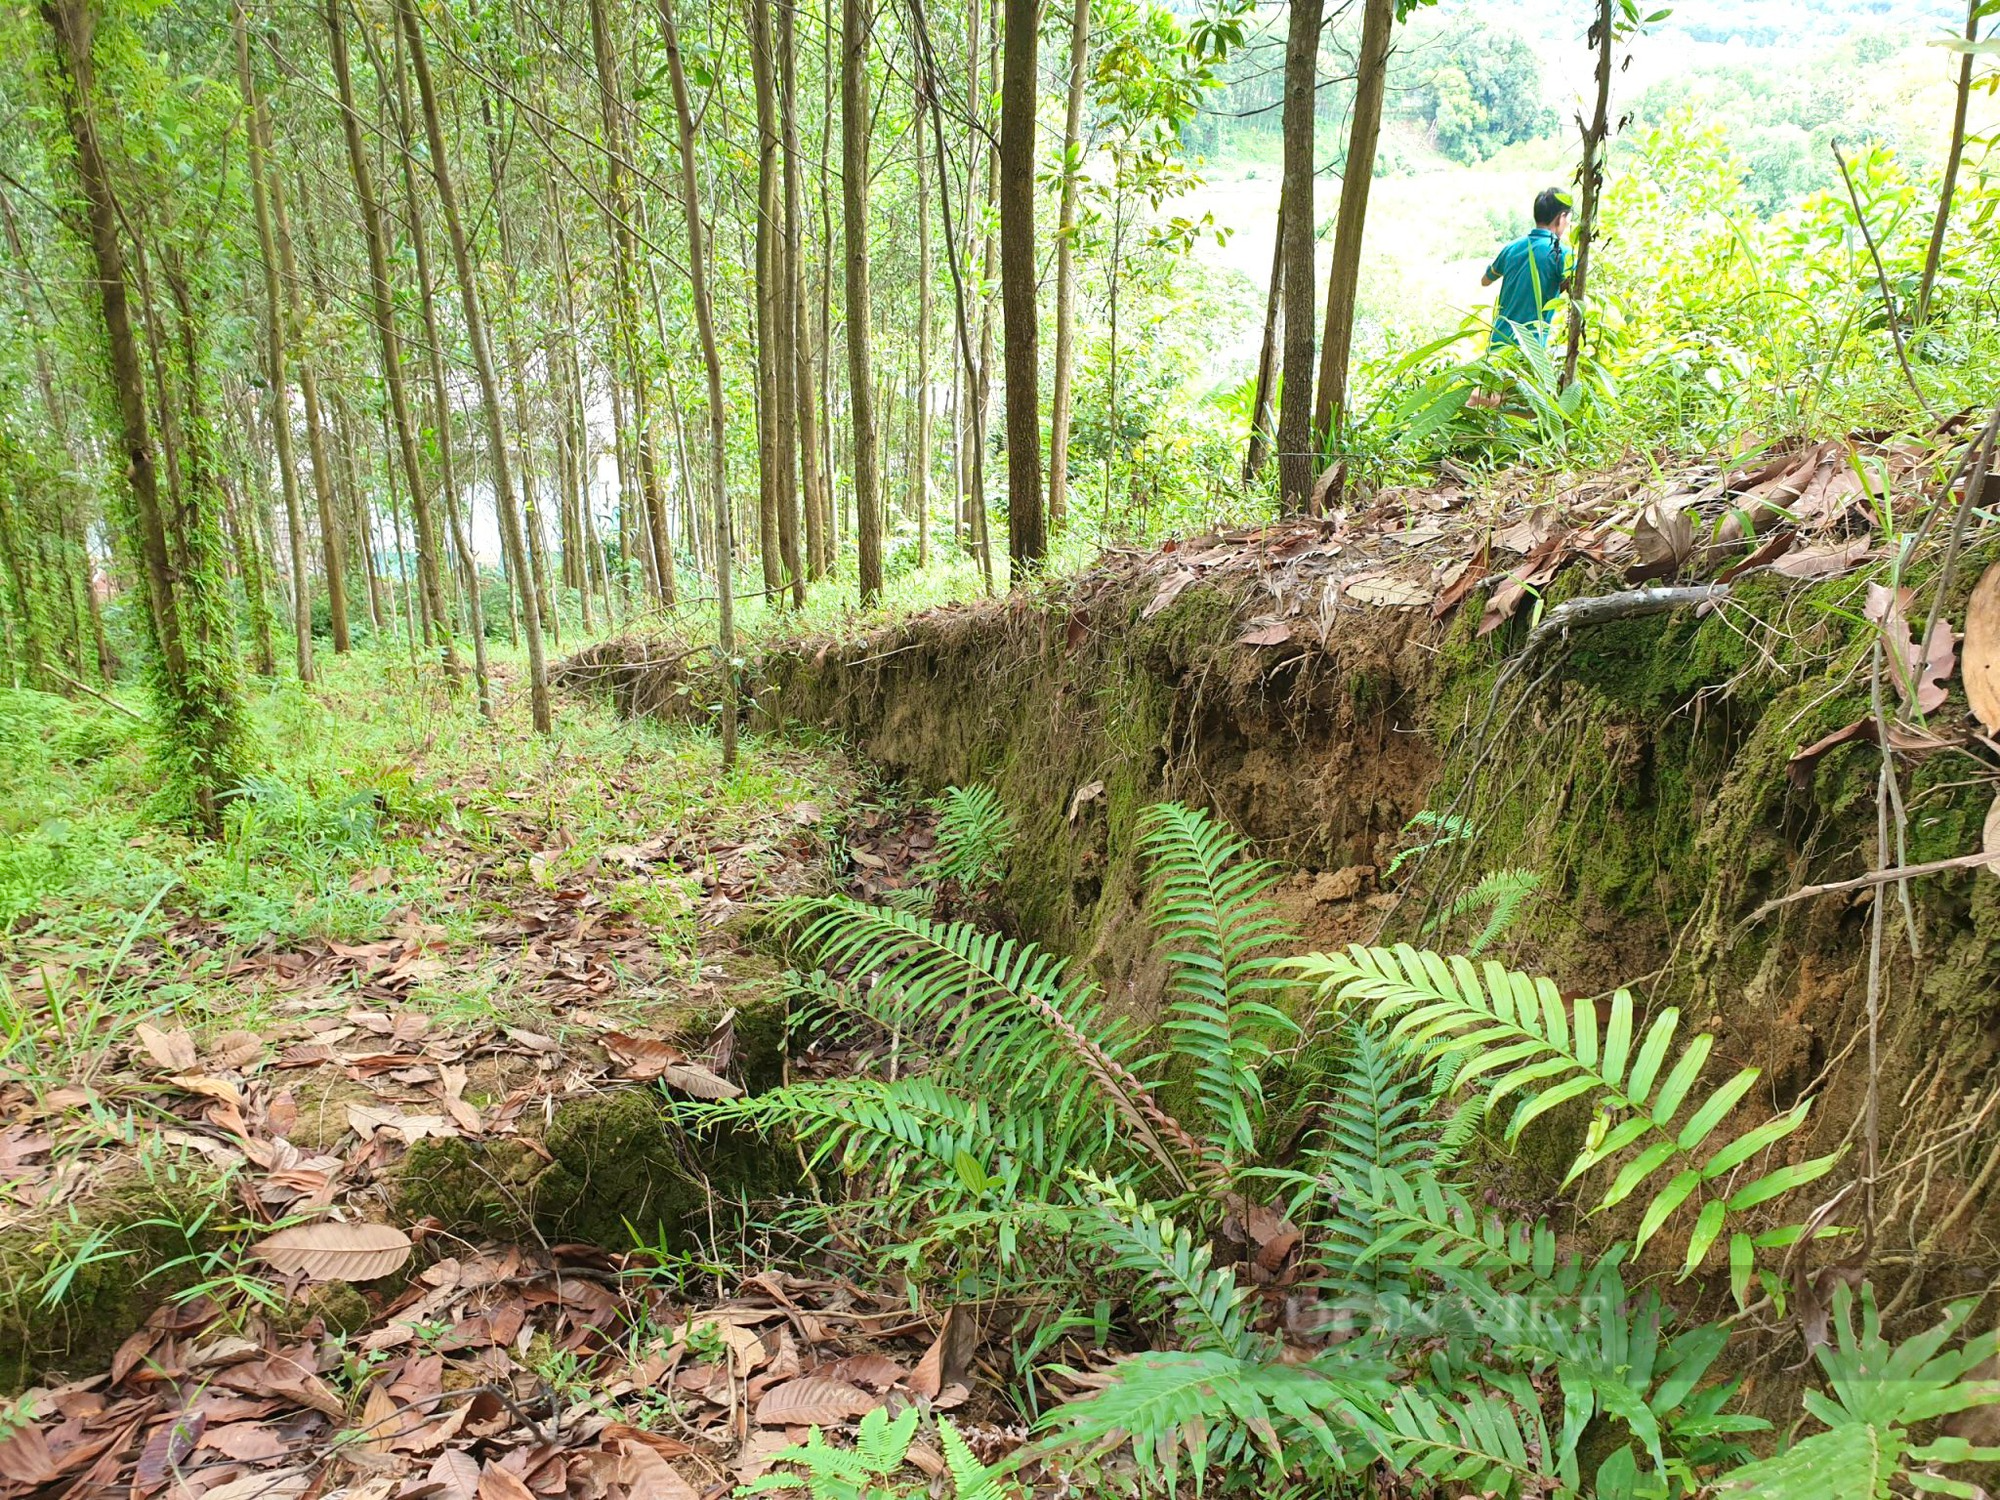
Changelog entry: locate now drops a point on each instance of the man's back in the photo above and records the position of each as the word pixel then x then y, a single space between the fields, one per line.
pixel 1530 272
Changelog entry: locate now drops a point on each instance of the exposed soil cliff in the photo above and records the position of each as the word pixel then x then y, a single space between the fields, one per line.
pixel 1643 772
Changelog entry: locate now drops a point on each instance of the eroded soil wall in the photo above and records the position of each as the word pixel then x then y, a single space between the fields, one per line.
pixel 1640 775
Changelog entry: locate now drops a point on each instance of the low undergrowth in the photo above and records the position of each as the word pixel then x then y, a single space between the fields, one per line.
pixel 1276 1207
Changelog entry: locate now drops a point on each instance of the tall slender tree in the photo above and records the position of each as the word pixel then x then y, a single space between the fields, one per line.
pixel 1343 278
pixel 204 736
pixel 856 22
pixel 504 501
pixel 1295 451
pixel 382 309
pixel 278 384
pixel 718 454
pixel 1067 229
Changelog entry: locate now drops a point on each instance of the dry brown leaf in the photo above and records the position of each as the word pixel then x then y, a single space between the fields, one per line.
pixel 1829 561
pixel 1168 592
pixel 928 1377
pixel 813 1401
pixel 693 1078
pixel 755 1456
pixel 1981 655
pixel 659 1442
pixel 1266 635
pixel 456 1473
pixel 209 1087
pixel 171 1051
pixel 233 1049
pixel 1386 591
pixel 875 1370
pixel 1800 767
pixel 643 1057
pixel 25 1459
pixel 1459 582
pixel 648 1476
pixel 1989 839
pixel 496 1483
pixel 331 1251
pixel 746 1349
pixel 258 1485
pixel 246 1442
pixel 381 1419
pixel 1662 540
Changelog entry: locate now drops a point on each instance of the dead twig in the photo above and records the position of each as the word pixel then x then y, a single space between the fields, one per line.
pixel 1872 878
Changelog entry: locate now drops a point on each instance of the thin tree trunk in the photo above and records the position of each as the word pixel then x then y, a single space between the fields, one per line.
pixel 198 696
pixel 1261 414
pixel 1954 153
pixel 855 22
pixel 383 308
pixel 1343 279
pixel 381 612
pixel 764 292
pixel 920 483
pixel 1295 450
pixel 805 401
pixel 250 560
pixel 725 561
pixel 1027 536
pixel 1594 136
pixel 973 448
pixel 774 232
pixel 324 493
pixel 1066 232
pixel 441 412
pixel 482 358
pixel 274 357
pixel 626 336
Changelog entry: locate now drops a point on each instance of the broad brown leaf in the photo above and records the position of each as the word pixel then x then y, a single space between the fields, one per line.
pixel 1981 654
pixel 171 1051
pixel 813 1401
pixel 246 1442
pixel 456 1473
pixel 692 1078
pixel 332 1251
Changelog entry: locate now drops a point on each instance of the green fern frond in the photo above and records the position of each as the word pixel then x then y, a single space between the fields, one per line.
pixel 1207 1406
pixel 1374 1120
pixel 1500 894
pixel 948 1149
pixel 974 835
pixel 1513 1034
pixel 1210 904
pixel 1445 829
pixel 1482 1441
pixel 1179 1275
pixel 970 1479
pixel 1013 1020
pixel 1879 1392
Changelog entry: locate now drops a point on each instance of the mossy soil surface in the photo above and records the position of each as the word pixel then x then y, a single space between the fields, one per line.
pixel 428 976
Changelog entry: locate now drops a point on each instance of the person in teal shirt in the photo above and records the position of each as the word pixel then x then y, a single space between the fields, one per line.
pixel 1531 271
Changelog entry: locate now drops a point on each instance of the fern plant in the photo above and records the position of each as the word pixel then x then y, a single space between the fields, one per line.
pixel 1020 1138
pixel 1515 1036
pixel 974 835
pixel 1877 1394
pixel 864 1472
pixel 1501 894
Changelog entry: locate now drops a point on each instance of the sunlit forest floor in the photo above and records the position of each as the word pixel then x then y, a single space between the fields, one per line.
pixel 418 929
